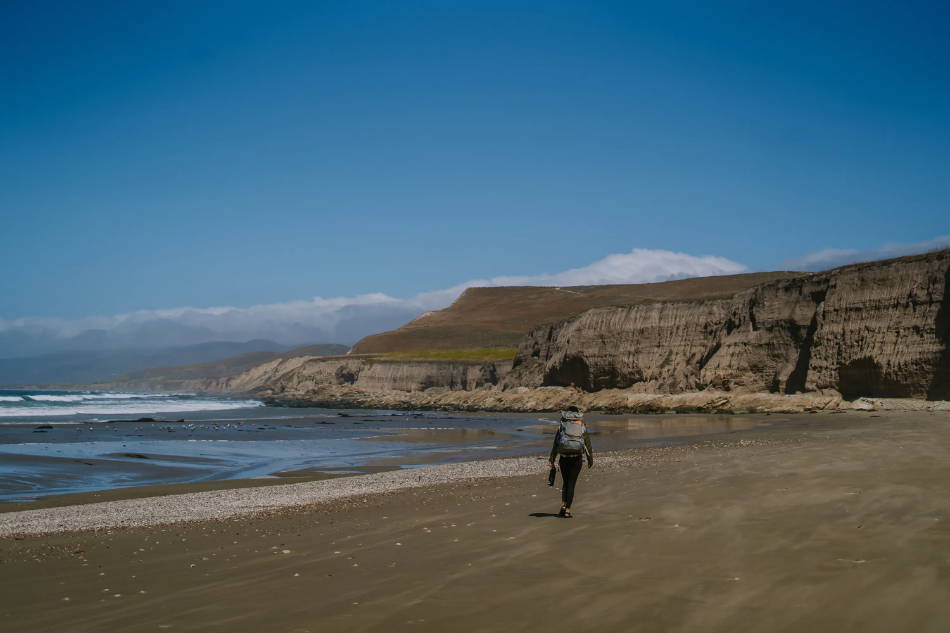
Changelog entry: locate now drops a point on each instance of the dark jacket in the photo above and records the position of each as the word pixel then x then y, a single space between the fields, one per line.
pixel 589 452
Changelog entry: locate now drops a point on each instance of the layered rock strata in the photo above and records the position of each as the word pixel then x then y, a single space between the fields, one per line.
pixel 307 374
pixel 877 329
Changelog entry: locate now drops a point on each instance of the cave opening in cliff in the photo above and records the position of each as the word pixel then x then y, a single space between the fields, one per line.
pixel 864 377
pixel 573 371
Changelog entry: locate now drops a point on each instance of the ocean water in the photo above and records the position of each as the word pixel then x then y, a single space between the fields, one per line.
pixel 58 442
pixel 90 405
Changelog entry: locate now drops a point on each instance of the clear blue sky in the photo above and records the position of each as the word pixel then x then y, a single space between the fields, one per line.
pixel 162 154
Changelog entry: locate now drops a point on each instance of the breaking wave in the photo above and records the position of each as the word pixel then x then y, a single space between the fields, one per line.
pixel 35 403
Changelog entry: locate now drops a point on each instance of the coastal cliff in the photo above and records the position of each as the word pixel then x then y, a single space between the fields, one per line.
pixel 502 316
pixel 836 338
pixel 878 329
pixel 368 373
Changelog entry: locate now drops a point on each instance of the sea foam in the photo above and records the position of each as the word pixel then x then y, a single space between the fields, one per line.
pixel 62 407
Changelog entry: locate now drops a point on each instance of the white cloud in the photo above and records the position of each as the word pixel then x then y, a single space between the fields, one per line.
pixel 639 266
pixel 340 319
pixel 834 257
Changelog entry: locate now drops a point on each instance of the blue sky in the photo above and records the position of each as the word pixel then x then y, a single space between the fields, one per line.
pixel 160 155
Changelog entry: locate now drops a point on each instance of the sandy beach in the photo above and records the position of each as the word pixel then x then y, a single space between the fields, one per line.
pixel 834 522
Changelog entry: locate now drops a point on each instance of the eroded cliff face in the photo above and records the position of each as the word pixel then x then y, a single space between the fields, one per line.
pixel 882 330
pixel 877 329
pixel 652 348
pixel 306 374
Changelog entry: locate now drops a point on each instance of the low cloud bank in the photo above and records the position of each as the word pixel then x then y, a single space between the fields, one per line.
pixel 834 257
pixel 320 320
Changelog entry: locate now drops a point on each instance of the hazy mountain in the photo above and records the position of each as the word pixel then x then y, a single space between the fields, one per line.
pixel 230 366
pixel 81 366
pixel 348 324
pixel 32 341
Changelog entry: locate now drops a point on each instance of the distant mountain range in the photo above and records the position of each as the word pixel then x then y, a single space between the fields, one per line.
pixel 214 359
pixel 224 368
pixel 28 338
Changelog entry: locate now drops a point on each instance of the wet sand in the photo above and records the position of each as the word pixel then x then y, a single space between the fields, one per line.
pixel 831 523
pixel 446 436
pixel 139 492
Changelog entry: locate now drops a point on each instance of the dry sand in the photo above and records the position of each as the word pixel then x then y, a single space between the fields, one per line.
pixel 835 523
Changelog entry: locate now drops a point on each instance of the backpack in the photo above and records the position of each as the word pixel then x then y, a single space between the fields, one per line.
pixel 571 439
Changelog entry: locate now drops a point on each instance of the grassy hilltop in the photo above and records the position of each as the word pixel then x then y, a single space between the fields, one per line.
pixel 497 318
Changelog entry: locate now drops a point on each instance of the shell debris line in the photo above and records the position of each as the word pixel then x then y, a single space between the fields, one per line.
pixel 223 504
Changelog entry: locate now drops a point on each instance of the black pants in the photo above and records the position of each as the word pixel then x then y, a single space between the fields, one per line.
pixel 570 469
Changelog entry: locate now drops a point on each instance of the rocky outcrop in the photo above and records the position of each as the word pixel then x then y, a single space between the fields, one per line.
pixel 307 374
pixel 427 375
pixel 522 399
pixel 877 329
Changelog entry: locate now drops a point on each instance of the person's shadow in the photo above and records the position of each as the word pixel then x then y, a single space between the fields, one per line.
pixel 541 515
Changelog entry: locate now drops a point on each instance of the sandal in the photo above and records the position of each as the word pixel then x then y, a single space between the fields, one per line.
pixel 567 514
pixel 563 512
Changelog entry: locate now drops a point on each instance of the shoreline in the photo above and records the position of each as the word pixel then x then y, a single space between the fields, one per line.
pixel 83 459
pixel 168 504
pixel 142 468
pixel 614 435
pixel 546 400
pixel 237 502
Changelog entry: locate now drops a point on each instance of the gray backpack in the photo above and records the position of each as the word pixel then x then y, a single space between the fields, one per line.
pixel 571 441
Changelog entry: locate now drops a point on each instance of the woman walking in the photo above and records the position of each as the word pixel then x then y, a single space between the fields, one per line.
pixel 572 443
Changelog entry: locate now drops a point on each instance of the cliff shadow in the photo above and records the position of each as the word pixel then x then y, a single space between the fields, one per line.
pixel 572 371
pixel 346 376
pixel 799 376
pixel 864 377
pixel 940 385
pixel 575 371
